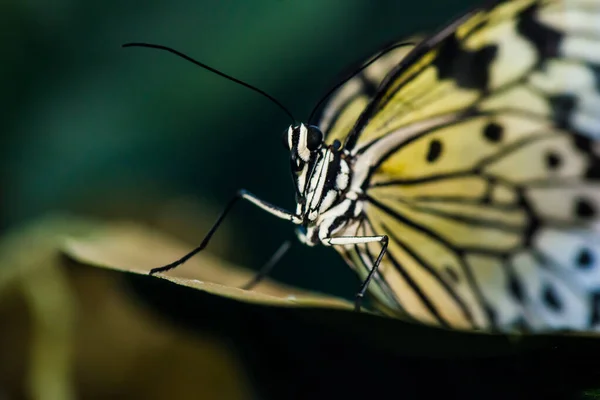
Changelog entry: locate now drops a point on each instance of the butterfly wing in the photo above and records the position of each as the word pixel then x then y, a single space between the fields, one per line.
pixel 543 44
pixel 480 156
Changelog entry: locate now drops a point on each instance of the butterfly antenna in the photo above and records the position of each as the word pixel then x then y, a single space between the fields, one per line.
pixel 340 84
pixel 215 71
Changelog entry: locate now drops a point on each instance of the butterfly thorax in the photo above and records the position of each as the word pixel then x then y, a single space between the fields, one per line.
pixel 322 178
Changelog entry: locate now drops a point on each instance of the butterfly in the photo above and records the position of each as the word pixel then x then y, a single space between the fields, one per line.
pixel 459 174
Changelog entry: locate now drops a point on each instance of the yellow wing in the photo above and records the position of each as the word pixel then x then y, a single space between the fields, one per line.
pixel 508 51
pixel 481 152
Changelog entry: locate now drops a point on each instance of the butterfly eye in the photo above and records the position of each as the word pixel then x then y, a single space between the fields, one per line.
pixel 314 138
pixel 336 145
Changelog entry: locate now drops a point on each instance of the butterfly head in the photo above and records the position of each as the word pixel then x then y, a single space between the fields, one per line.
pixel 321 172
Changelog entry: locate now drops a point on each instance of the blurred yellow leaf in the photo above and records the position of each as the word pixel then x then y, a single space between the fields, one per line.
pixel 136 249
pixel 29 264
pixel 76 333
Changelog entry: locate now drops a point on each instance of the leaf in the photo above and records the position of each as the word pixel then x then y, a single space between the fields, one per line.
pixel 271 327
pixel 136 249
pixel 298 323
pixel 130 248
pixel 71 333
pixel 29 263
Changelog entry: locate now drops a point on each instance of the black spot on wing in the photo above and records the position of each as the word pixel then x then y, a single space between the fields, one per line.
pixel 545 39
pixel 435 150
pixel 551 298
pixel 493 132
pixel 553 160
pixel 584 208
pixel 584 259
pixel 469 69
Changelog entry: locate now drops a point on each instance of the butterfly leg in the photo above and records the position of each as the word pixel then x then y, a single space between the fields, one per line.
pixel 350 240
pixel 241 194
pixel 268 266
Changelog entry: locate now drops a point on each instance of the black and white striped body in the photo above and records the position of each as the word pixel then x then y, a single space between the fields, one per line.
pixel 327 198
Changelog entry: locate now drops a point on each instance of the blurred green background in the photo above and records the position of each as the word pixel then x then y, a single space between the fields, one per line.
pixel 136 133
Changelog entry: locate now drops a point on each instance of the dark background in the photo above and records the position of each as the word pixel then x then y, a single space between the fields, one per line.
pixel 93 128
